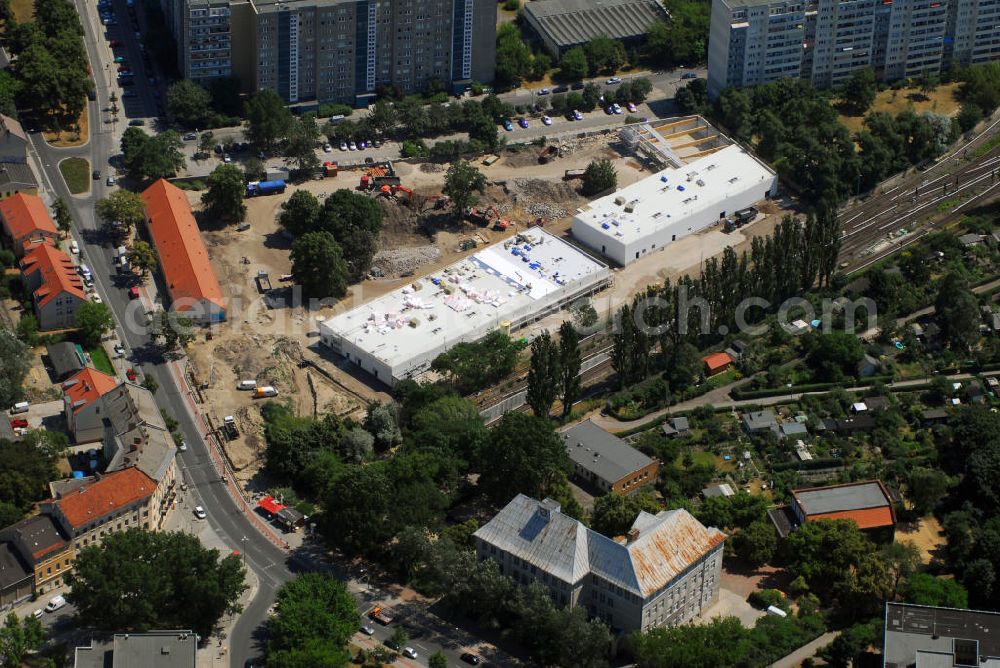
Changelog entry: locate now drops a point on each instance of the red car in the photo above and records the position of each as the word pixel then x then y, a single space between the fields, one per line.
pixel 133 293
pixel 131 374
pixel 19 423
pixel 115 43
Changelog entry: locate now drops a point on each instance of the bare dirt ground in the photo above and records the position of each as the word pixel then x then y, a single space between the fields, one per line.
pixel 926 534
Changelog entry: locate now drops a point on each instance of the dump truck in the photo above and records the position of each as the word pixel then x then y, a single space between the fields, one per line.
pixel 330 169
pixel 376 177
pixel 229 427
pixel 744 216
pixel 255 188
pixel 547 154
pixel 571 174
pixel 380 615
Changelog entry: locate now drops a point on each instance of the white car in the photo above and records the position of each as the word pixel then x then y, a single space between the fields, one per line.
pixel 74 248
pixel 367 630
pixel 111 180
pixel 226 159
pixel 614 80
pixel 546 120
pixel 96 298
pixel 327 148
pixel 183 446
pixel 200 513
pixel 37 614
pixel 409 652
pixel 343 146
pixel 352 146
pixel 119 350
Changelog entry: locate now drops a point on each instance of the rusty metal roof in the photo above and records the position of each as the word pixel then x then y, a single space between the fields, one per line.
pixel 667 544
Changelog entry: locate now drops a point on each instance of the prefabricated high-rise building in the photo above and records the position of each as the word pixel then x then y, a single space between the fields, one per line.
pixel 824 42
pixel 336 50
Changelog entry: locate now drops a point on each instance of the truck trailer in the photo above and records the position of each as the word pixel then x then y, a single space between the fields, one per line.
pixel 255 188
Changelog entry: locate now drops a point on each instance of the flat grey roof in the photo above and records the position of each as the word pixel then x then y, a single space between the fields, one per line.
pixel 916 629
pixel 572 22
pixel 155 649
pixel 838 498
pixel 65 359
pixel 17 174
pixel 605 455
pixel 12 570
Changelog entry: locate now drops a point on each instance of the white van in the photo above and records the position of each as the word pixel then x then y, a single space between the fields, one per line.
pixel 56 603
pixel 85 272
pixel 20 407
pixel 266 391
pixel 247 385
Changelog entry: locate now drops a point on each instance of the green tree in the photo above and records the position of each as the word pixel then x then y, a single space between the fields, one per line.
pixel 299 213
pixel 357 511
pixel 122 210
pixel 142 256
pixel 224 198
pixel 177 331
pixel 267 119
pixel 206 142
pixel 848 647
pixel 599 176
pixel 189 104
pixel 60 211
pixel 27 329
pixel 94 321
pixel 26 472
pixel 570 362
pixel 18 637
pixel 314 618
pixel 437 660
pixel 513 57
pixel 958 312
pixel 833 356
pixel 382 422
pixel 473 366
pixel 461 183
pixel 573 65
pixel 544 375
pixel 925 589
pixel 757 544
pixel 355 221
pixel 926 487
pixel 682 40
pixel 15 362
pixel 318 265
pixel 9 513
pixel 614 514
pixel 858 93
pixel 174 582
pixel 152 158
pixel 382 117
pixel 522 454
pixel 303 138
pixel 604 55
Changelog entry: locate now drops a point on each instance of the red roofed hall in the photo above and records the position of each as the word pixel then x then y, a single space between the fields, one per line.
pixel 81 405
pixel 717 363
pixel 867 503
pixel 270 505
pixel 187 271
pixel 25 218
pixel 121 498
pixel 56 288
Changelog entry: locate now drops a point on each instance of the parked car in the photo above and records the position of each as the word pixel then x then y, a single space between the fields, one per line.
pixel 391 644
pixel 133 293
pixel 523 122
pixel 543 91
pixel 507 125
pixel 546 120
pixel 470 658
pixel 182 446
pixel 352 146
pixel 327 148
pixel 56 603
pixel 577 116
pixel 19 423
pixel 613 80
pixel 74 247
pixel 200 513
pixel 111 181
pixel 689 75
pixel 409 652
pixel 616 108
pixel 130 374
pixel 631 106
pixel 96 298
pixel 191 136
pixel 119 350
pixel 343 146
pixel 97 175
pixel 367 630
pixel 136 122
pixel 376 143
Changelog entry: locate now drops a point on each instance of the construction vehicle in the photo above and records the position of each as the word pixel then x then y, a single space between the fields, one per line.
pixel 537 222
pixel 434 202
pixel 229 427
pixel 482 217
pixel 547 154
pixel 330 169
pixel 744 216
pixel 501 225
pixel 255 188
pixel 571 174
pixel 263 281
pixel 376 177
pixel 266 391
pixel 380 615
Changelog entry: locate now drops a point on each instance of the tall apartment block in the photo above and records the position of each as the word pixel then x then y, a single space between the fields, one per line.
pixel 337 50
pixel 824 41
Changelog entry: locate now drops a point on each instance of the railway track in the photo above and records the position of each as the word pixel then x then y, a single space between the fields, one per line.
pixel 920 202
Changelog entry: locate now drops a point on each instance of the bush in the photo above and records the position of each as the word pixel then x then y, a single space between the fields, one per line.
pixel 512 5
pixel 766 597
pixel 413 148
pixel 327 110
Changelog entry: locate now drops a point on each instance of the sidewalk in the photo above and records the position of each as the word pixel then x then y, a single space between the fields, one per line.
pixel 795 659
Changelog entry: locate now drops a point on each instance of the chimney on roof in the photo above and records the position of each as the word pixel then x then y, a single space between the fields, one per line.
pixel 632 535
pixel 547 507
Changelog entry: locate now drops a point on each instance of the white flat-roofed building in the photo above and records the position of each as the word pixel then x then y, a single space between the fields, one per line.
pixel 511 284
pixel 671 204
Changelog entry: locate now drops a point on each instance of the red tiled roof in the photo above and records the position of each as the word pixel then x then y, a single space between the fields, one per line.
pixel 109 494
pixel 866 518
pixel 58 273
pixel 26 214
pixel 717 361
pixel 87 385
pixel 182 253
pixel 269 504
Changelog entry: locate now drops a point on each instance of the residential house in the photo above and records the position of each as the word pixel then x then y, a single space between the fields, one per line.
pixel 26 220
pixel 16 580
pixel 737 349
pixel 56 289
pixel 65 358
pixel 868 366
pixel 717 363
pixel 677 427
pixel 867 503
pixel 923 635
pixel 16 178
pixel 152 649
pixel 664 572
pixel 82 405
pixel 722 489
pixel 13 140
pixel 857 424
pixel 115 502
pixel 792 430
pixel 607 462
pixel 876 403
pixel 45 547
pixel 187 273
pixel 970 240
pixel 759 422
pixel 933 416
pixel 973 392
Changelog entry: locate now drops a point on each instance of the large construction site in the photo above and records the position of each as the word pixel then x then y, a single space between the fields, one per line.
pixel 273 338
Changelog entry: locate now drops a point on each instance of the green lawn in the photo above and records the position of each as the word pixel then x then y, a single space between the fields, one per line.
pixel 76 172
pixel 99 357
